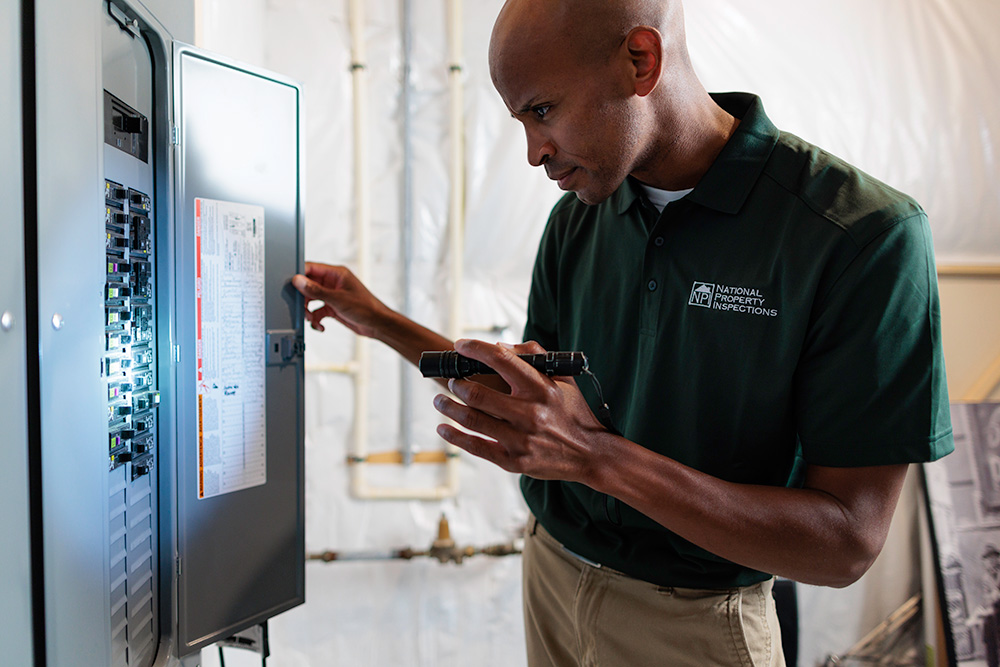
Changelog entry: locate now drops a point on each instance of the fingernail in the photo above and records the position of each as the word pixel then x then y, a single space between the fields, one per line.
pixel 451 385
pixel 506 346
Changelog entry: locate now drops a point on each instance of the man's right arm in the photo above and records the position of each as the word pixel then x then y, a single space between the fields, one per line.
pixel 347 300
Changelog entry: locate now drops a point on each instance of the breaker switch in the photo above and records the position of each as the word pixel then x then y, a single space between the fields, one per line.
pixel 140 469
pixel 138 201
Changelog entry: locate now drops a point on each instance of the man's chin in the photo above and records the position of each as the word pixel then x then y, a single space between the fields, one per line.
pixel 590 197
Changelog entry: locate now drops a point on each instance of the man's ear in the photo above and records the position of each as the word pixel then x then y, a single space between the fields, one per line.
pixel 645 49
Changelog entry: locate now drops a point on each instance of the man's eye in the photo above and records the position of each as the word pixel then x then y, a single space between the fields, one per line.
pixel 541 111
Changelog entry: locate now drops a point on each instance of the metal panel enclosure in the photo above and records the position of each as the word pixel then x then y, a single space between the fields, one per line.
pixel 70 331
pixel 240 553
pixel 15 557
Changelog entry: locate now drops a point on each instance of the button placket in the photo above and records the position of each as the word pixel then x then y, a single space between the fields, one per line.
pixel 655 260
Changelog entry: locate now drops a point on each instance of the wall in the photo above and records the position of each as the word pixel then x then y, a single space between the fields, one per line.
pixel 970 320
pixel 899 88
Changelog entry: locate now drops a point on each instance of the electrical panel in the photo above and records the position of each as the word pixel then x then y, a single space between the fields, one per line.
pixel 131 347
pixel 165 490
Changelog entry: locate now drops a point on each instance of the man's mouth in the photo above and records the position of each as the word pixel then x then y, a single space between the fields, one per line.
pixel 563 177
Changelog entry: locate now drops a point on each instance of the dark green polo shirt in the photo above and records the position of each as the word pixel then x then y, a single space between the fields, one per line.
pixel 783 312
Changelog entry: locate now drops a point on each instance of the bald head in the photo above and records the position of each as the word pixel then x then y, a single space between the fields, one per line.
pixel 605 89
pixel 589 31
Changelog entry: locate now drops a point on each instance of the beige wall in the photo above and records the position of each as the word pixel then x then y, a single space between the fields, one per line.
pixel 970 322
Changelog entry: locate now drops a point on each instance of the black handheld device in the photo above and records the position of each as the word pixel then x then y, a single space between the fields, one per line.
pixel 451 364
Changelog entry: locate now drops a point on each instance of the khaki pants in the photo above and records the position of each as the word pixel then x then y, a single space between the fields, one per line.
pixel 579 615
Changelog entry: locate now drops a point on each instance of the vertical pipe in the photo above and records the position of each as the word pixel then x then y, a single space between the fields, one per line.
pixel 363 234
pixel 362 365
pixel 456 221
pixel 406 237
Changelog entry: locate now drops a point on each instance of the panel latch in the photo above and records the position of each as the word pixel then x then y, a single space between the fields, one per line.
pixel 284 345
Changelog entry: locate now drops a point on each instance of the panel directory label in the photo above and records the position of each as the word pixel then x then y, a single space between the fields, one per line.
pixel 229 293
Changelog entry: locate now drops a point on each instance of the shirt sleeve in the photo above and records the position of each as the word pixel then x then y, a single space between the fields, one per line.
pixel 870 388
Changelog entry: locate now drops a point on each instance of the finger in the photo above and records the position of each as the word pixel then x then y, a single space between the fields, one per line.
pixel 317 269
pixel 489 450
pixel 315 322
pixel 479 396
pixel 516 372
pixel 472 419
pixel 527 347
pixel 316 316
pixel 309 288
pixel 566 379
pixel 327 275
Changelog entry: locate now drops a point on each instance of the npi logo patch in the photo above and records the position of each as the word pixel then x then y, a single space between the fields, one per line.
pixel 731 298
pixel 701 295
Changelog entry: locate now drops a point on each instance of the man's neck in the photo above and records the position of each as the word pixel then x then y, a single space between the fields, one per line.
pixel 678 160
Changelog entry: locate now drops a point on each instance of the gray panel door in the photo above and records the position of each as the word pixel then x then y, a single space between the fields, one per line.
pixel 15 557
pixel 240 532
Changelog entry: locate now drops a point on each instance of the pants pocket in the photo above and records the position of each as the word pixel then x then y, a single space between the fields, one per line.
pixel 755 627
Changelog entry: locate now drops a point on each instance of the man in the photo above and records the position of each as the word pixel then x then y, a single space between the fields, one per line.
pixel 763 317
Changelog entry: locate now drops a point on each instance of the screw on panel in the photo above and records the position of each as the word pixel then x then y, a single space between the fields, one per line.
pixel 7 321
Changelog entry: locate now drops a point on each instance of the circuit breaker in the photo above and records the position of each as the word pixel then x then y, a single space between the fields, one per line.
pixel 163 223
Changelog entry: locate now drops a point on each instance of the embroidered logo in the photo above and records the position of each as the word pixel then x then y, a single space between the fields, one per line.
pixel 701 295
pixel 747 300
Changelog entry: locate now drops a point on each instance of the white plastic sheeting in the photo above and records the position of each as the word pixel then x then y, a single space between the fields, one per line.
pixel 906 90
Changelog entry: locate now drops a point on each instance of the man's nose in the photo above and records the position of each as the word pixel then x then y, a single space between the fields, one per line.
pixel 540 148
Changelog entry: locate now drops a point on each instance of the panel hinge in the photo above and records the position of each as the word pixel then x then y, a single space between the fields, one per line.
pixel 177 354
pixel 178 562
pixel 175 135
pixel 118 14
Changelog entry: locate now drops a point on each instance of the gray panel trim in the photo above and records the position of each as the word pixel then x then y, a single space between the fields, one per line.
pixel 70 285
pixel 15 526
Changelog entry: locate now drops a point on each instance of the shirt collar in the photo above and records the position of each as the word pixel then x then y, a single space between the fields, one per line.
pixel 728 182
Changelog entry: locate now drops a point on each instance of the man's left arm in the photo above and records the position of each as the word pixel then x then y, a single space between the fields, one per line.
pixel 826 533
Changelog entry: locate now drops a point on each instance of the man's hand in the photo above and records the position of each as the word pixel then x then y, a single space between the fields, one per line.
pixel 344 298
pixel 543 428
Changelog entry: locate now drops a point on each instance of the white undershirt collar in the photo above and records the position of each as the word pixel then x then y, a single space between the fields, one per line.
pixel 660 198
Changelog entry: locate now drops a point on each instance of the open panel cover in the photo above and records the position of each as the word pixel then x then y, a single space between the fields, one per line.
pixel 240 526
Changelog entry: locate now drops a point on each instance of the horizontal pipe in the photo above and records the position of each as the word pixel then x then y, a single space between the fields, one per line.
pixel 969 270
pixel 360 488
pixel 448 555
pixel 439 456
pixel 350 368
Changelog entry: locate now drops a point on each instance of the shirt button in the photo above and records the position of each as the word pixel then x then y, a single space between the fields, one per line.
pixel 651 285
pixel 658 241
